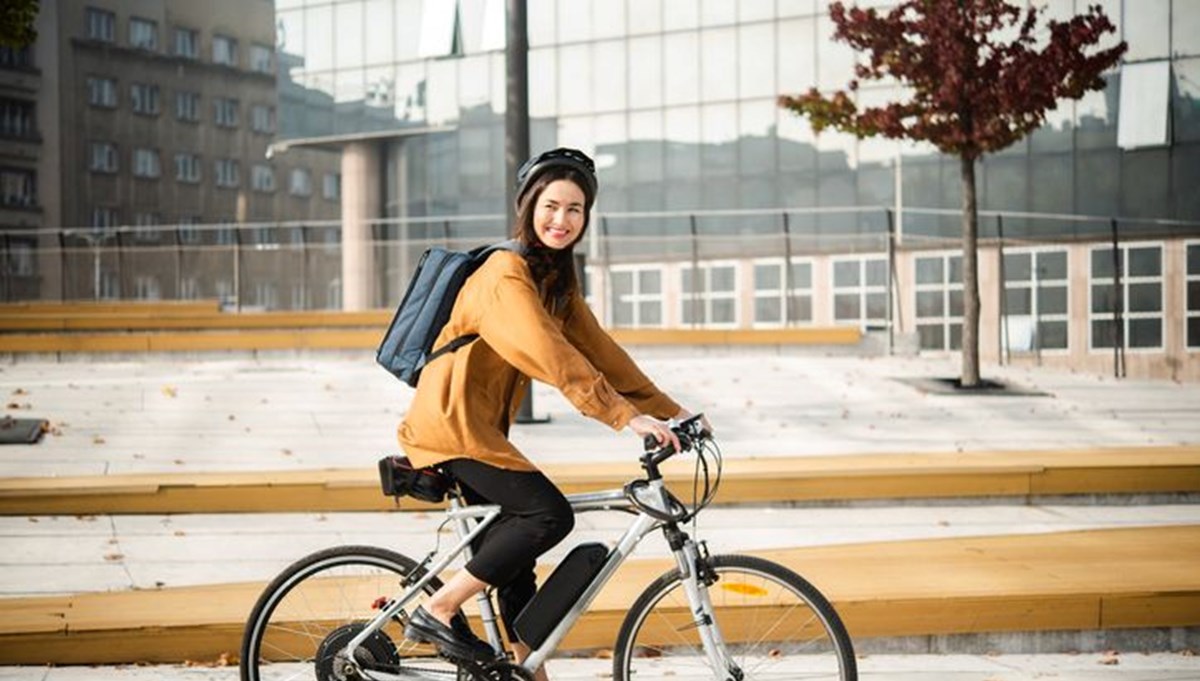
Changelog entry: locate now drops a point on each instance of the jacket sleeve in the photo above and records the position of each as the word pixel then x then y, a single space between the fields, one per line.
pixel 583 330
pixel 513 322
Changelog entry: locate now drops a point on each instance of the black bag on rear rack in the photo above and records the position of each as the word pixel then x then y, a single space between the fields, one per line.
pixel 398 479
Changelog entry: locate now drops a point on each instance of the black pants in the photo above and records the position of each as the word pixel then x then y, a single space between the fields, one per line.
pixel 534 517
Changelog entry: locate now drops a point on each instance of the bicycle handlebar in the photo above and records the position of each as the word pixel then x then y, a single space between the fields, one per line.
pixel 688 431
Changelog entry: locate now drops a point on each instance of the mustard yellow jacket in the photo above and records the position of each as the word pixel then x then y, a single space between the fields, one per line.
pixel 466 400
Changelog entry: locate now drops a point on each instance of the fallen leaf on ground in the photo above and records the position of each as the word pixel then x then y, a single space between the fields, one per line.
pixel 170 391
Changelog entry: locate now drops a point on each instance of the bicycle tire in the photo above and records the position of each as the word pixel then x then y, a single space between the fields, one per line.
pixel 775 623
pixel 318 598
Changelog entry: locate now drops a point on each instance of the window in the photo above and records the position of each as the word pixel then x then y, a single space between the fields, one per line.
pixel 143 34
pixel 18 188
pixel 187 168
pixel 224 50
pixel 102 157
pixel 187 43
pixel 147 220
pixel 189 288
pixel 101 25
pixel 711 298
pixel 225 112
pixel 16 57
pixel 300 183
pixel 188 233
pixel 187 106
pixel 1139 299
pixel 262 178
pixel 102 216
pixel 1144 111
pixel 22 257
pixel 16 118
pixel 262 118
pixel 226 172
pixel 939 302
pixel 636 296
pixel 146 287
pixel 144 99
pixel 778 292
pixel 146 163
pixel 331 186
pixel 260 58
pixel 1035 300
pixel 264 295
pixel 1193 295
pixel 439 29
pixel 102 92
pixel 860 291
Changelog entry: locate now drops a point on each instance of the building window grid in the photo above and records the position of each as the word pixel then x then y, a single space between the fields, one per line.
pixel 143 34
pixel 101 25
pixel 862 298
pixel 937 301
pixel 1099 337
pixel 715 304
pixel 636 292
pixel 102 92
pixel 331 186
pixel 1192 295
pixel 771 292
pixel 1035 288
pixel 143 99
pixel 260 58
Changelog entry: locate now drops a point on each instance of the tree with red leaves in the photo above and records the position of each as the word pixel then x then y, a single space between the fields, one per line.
pixel 979 76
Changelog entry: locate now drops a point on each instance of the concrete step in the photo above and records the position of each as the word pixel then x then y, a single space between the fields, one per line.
pixel 1094 580
pixel 1016 474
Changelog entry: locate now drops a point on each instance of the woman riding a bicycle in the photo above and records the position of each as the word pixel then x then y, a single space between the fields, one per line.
pixel 532 322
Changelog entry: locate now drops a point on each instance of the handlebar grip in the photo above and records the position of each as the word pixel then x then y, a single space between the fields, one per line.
pixel 649 442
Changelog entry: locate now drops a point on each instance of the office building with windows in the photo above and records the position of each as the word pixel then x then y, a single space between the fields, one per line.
pixel 719 209
pixel 140 128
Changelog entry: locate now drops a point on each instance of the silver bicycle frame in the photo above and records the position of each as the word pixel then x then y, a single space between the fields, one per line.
pixel 653 494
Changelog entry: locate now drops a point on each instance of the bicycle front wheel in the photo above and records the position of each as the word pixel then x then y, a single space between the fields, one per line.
pixel 302 622
pixel 775 625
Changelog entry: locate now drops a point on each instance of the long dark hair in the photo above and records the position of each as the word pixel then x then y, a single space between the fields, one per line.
pixel 553 270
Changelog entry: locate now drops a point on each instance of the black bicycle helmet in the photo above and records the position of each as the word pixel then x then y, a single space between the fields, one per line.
pixel 560 157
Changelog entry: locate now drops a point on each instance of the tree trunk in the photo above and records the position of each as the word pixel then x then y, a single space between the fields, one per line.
pixel 970 277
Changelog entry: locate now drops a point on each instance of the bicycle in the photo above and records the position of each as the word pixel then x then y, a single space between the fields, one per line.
pixel 335 613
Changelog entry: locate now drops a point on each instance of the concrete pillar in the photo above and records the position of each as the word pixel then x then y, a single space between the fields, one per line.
pixel 361 203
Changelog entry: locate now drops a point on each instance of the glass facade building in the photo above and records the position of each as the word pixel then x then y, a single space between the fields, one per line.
pixel 676 100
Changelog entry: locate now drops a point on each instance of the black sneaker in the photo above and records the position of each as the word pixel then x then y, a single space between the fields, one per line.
pixel 457 641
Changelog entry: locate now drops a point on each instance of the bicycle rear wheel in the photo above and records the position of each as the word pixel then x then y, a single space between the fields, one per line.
pixel 306 616
pixel 774 623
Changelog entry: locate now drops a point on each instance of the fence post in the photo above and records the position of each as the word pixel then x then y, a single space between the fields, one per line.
pixel 446 232
pixel 1005 341
pixel 1118 306
pixel 62 264
pixel 306 302
pixel 891 280
pixel 696 301
pixel 237 267
pixel 178 262
pixel 120 263
pixel 605 273
pixel 787 270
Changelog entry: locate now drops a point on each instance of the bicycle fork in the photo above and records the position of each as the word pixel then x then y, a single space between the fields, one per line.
pixel 695 574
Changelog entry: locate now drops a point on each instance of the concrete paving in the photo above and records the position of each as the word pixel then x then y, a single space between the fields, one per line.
pixel 1109 666
pixel 340 410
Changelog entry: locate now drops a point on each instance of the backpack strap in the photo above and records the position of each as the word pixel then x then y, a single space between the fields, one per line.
pixel 479 256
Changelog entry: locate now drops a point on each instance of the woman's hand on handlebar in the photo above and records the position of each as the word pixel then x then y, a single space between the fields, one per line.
pixel 684 414
pixel 646 426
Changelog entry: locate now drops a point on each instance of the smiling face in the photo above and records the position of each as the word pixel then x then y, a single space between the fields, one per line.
pixel 558 217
